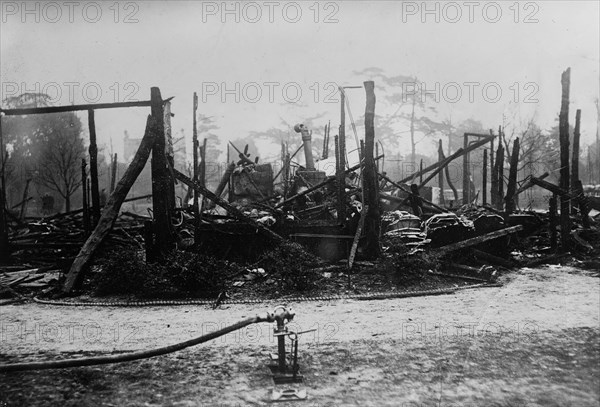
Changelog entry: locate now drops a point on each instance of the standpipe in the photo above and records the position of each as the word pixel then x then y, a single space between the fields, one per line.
pixel 279 315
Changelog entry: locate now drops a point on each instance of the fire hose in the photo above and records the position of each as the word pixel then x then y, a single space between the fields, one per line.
pixel 333 297
pixel 279 315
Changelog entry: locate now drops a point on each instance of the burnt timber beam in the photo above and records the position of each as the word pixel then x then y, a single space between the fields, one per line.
pixel 111 210
pixel 73 108
pixel 479 239
pixel 452 157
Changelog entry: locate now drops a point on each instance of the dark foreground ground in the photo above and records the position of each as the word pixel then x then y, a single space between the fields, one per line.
pixel 533 342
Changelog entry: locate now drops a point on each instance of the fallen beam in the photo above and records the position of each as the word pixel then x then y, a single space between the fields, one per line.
pixel 530 184
pixel 441 165
pixel 479 239
pixel 111 209
pixel 73 108
pixel 455 155
pixel 230 208
pixel 553 188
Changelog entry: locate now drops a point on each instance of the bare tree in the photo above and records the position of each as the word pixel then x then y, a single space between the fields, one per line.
pixel 59 156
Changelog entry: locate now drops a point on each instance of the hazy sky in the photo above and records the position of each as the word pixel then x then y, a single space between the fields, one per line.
pixel 280 60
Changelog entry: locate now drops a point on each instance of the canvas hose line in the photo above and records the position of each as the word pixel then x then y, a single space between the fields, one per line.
pixel 101 360
pixel 368 296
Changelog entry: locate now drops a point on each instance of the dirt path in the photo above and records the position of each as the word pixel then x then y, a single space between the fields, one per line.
pixel 533 338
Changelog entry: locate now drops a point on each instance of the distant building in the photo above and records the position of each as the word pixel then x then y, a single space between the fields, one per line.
pixel 130 146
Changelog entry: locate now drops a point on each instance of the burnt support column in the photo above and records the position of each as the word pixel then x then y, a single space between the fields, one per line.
pixel 441 173
pixel 552 222
pixel 575 156
pixel 484 179
pixel 494 176
pixel 466 198
pixel 511 189
pixel 161 180
pixel 195 156
pixel 370 184
pixel 86 213
pixel 93 150
pixel 500 175
pixel 341 176
pixel 563 125
pixel 4 249
pixel 113 174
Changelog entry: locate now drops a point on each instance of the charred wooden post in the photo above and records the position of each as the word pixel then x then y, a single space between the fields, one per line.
pixel 286 175
pixel 161 180
pixel 89 196
pixel 492 182
pixel 450 183
pixel 500 176
pixel 494 177
pixel 111 209
pixel 552 215
pixel 370 184
pixel 484 179
pixel 576 184
pixel 575 156
pixel 24 200
pixel 325 143
pixel 361 151
pixel 195 156
pixel 4 248
pixel 441 174
pixel 416 202
pixel 202 170
pixel 169 151
pixel 563 125
pixel 377 155
pixel 93 150
pixel 466 186
pixel 113 173
pixel 342 137
pixel 86 213
pixel 341 176
pixel 511 189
